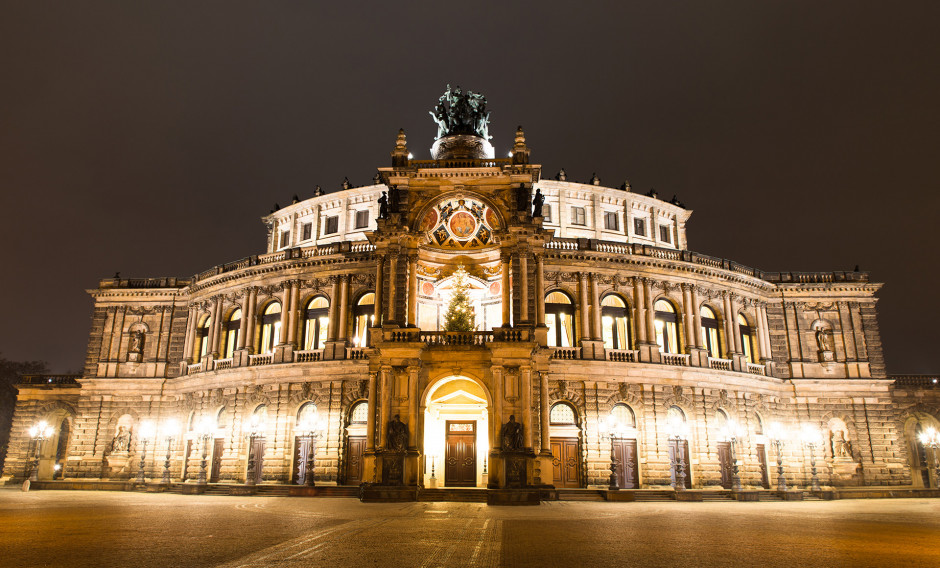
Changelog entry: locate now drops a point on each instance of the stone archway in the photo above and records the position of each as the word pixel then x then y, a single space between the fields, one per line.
pixel 456 433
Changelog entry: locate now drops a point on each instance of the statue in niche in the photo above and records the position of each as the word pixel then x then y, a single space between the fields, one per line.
pixel 394 199
pixel 824 339
pixel 841 447
pixel 537 203
pixel 136 344
pixel 383 206
pixel 397 435
pixel 121 441
pixel 511 435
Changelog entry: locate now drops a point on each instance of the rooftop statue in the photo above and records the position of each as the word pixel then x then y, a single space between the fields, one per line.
pixel 459 112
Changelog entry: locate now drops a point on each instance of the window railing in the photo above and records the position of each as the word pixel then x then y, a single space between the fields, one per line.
pixel 261 359
pixel 566 352
pixel 755 369
pixel 622 355
pixel 220 364
pixel 194 368
pixel 719 364
pixel 676 359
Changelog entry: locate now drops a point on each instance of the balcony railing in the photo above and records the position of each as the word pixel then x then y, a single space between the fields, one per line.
pixel 55 380
pixel 676 359
pixel 566 352
pixel 922 381
pixel 220 364
pixel 308 356
pixel 719 364
pixel 622 355
pixel 755 369
pixel 194 368
pixel 356 353
pixel 478 338
pixel 261 359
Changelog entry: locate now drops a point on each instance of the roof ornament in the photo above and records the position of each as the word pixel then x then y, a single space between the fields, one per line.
pixel 652 193
pixel 459 112
pixel 626 185
pixel 346 184
pixel 561 175
pixel 318 191
pixel 595 180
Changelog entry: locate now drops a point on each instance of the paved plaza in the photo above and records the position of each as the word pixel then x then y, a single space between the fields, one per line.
pixel 110 529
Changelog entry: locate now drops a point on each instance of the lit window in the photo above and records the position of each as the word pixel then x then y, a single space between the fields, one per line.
pixel 202 338
pixel 359 413
pixel 307 415
pixel 577 216
pixel 221 418
pixel 665 233
pixel 562 413
pixel 270 327
pixel 331 225
pixel 307 231
pixel 285 239
pixel 623 415
pixel 611 221
pixel 666 327
pixel 362 219
pixel 614 322
pixel 639 226
pixel 316 323
pixel 364 318
pixel 559 318
pixel 746 341
pixel 710 332
pixel 231 334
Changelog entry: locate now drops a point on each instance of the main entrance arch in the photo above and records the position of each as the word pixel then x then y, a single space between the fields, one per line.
pixel 456 426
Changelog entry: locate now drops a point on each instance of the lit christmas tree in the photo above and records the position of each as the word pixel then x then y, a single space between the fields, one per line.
pixel 459 315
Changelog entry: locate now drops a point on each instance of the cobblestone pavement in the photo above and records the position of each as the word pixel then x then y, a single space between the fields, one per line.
pixel 101 529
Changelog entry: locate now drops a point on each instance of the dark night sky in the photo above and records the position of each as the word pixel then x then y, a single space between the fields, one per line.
pixel 150 136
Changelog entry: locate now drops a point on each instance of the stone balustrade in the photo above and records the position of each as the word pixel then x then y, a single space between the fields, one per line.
pixel 719 364
pixel 261 359
pixel 308 356
pixel 756 369
pixel 676 359
pixel 221 364
pixel 566 352
pixel 622 355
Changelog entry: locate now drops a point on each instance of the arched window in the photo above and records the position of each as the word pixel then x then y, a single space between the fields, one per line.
pixel 746 342
pixel 623 415
pixel 721 419
pixel 359 414
pixel 316 323
pixel 710 331
pixel 307 416
pixel 363 318
pixel 231 334
pixel 221 418
pixel 559 318
pixel 615 322
pixel 259 418
pixel 667 329
pixel 270 327
pixel 759 427
pixel 201 347
pixel 562 413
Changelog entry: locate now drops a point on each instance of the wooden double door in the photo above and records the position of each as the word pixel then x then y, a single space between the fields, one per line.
pixel 218 448
pixel 725 464
pixel 566 462
pixel 258 444
pixel 626 463
pixel 460 454
pixel 305 448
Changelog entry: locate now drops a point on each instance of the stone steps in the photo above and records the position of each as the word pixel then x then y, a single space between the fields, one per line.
pixel 453 495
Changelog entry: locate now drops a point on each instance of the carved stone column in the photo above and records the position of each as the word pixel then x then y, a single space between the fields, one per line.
pixel 294 299
pixel 765 352
pixel 393 288
pixel 379 287
pixel 285 314
pixel 639 308
pixel 544 413
pixel 697 318
pixel 596 332
pixel 252 316
pixel 729 324
pixel 386 382
pixel 343 322
pixel 412 291
pixel 735 328
pixel 216 326
pixel 190 333
pixel 370 421
pixel 584 307
pixel 539 291
pixel 504 283
pixel 243 324
pixel 524 288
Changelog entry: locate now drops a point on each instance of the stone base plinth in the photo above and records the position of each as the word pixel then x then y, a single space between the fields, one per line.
pixel 513 497
pixel 387 494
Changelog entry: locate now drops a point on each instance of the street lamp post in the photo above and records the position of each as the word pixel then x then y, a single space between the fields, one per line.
pixel 678 432
pixel 930 438
pixel 613 429
pixel 732 432
pixel 812 437
pixel 170 430
pixel 312 432
pixel 204 431
pixel 147 430
pixel 254 426
pixel 776 435
pixel 38 433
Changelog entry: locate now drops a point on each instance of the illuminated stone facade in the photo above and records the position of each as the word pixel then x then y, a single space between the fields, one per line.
pixel 599 331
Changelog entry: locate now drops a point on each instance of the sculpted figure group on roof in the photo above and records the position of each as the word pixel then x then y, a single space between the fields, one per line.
pixel 459 112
